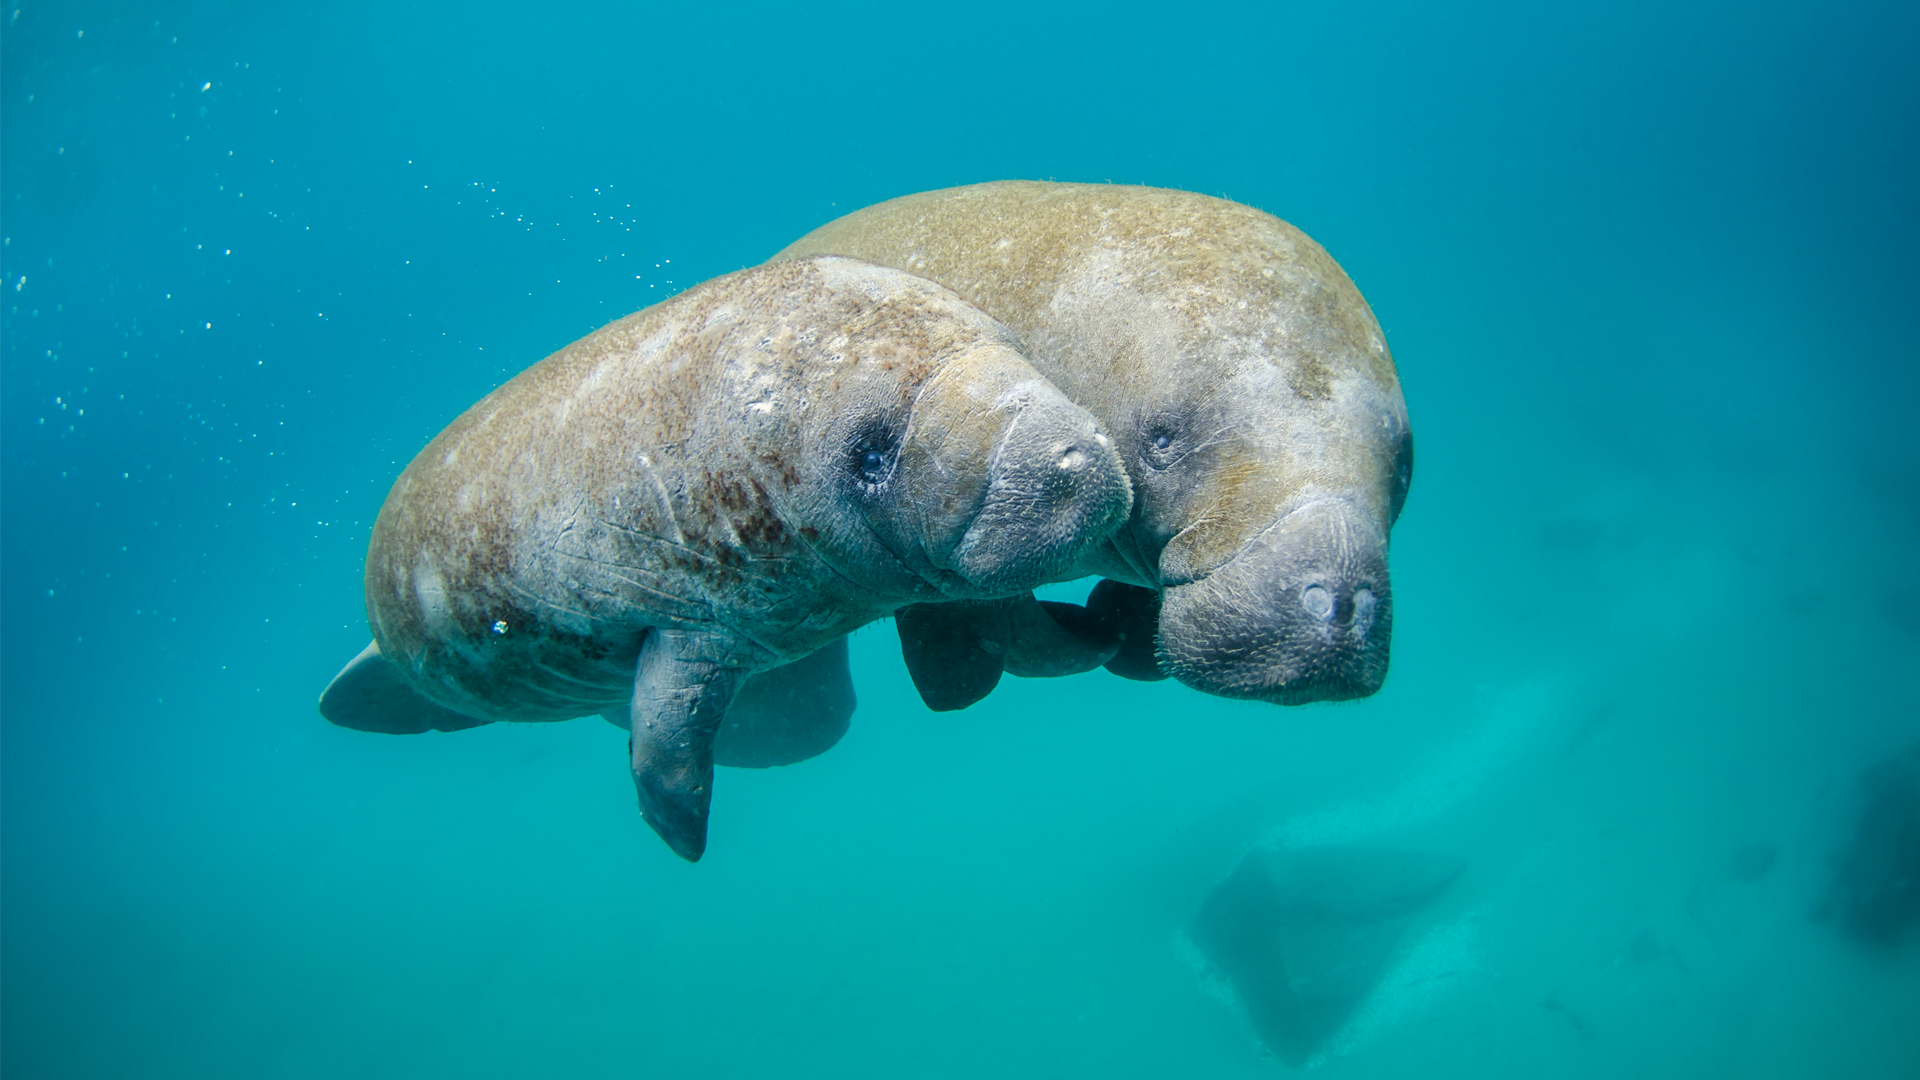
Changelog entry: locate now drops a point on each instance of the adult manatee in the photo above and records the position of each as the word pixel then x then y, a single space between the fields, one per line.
pixel 713 487
pixel 1252 398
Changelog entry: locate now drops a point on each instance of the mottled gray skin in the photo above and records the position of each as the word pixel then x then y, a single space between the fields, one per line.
pixel 716 486
pixel 1244 381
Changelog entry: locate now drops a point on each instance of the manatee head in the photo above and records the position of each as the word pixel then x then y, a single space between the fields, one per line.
pixel 1303 612
pixel 1245 384
pixel 943 466
pixel 1270 455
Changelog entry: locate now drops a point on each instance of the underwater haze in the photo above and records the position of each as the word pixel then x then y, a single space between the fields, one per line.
pixel 1648 274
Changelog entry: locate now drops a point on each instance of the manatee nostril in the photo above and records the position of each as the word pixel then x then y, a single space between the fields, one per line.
pixel 1318 601
pixel 1363 603
pixel 1073 460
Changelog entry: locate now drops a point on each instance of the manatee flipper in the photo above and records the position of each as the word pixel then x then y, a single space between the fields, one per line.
pixel 955 651
pixel 1051 639
pixel 682 685
pixel 783 715
pixel 371 694
pixel 1131 614
pixel 1114 630
pixel 790 713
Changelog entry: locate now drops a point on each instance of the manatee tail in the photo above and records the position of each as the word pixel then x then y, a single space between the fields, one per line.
pixel 371 694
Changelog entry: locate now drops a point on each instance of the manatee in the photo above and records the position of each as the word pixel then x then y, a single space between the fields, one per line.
pixel 1874 891
pixel 711 488
pixel 1301 937
pixel 1254 403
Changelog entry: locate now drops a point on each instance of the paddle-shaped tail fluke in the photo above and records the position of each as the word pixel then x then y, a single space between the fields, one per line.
pixel 372 694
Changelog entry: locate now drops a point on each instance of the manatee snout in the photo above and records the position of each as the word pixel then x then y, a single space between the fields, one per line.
pixel 1303 613
pixel 1052 486
pixel 1055 489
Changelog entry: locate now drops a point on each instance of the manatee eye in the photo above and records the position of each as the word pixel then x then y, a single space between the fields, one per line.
pixel 1161 446
pixel 872 455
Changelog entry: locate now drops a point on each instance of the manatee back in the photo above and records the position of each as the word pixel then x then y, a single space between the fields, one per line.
pixel 1075 268
pixel 1142 301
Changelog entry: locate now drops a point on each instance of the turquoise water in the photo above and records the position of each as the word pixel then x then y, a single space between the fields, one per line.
pixel 1648 277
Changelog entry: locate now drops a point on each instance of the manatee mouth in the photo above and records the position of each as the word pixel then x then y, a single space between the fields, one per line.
pixel 1055 489
pixel 1303 613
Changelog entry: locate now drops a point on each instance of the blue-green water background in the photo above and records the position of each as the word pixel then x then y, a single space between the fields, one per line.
pixel 1649 276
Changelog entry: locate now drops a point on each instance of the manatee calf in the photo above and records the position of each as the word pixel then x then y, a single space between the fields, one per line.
pixel 1254 404
pixel 713 487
